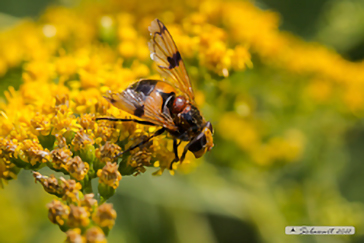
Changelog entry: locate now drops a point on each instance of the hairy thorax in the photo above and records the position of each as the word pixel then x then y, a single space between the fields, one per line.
pixel 189 122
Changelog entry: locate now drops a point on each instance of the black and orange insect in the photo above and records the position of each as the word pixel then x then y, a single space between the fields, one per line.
pixel 170 103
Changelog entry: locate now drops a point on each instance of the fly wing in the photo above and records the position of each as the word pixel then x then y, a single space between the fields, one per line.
pixel 137 103
pixel 165 54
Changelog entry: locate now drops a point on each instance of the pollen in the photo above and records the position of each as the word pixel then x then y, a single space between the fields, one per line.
pixel 78 217
pixel 60 157
pixel 74 235
pixel 77 168
pixel 81 139
pixel 95 235
pixel 109 175
pixel 58 212
pixel 105 216
pixel 107 152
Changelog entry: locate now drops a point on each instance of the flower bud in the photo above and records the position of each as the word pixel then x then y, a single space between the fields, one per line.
pixel 109 178
pixel 69 136
pixel 78 217
pixel 32 153
pixel 105 217
pixel 81 139
pixel 72 192
pixel 68 190
pixel 40 125
pixel 50 184
pixel 60 157
pixel 106 153
pixel 58 213
pixel 87 121
pixel 89 202
pixel 87 154
pixel 95 235
pixel 74 236
pixel 77 168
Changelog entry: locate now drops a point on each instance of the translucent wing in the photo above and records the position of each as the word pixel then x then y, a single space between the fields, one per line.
pixel 164 52
pixel 135 101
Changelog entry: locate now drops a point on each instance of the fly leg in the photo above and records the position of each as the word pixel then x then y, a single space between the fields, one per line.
pixel 185 150
pixel 157 133
pixel 176 159
pixel 175 150
pixel 125 120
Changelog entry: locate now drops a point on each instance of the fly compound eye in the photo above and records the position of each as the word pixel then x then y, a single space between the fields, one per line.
pixel 198 144
pixel 197 147
pixel 179 104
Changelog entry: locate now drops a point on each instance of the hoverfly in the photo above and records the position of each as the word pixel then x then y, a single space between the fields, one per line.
pixel 170 103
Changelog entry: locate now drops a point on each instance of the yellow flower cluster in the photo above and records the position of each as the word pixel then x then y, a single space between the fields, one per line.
pixel 71 70
pixel 81 213
pixel 259 30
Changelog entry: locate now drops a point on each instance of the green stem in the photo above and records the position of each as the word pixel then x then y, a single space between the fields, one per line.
pixel 102 200
pixel 88 187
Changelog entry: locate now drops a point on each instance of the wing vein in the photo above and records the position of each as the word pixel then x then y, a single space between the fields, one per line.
pixel 167 57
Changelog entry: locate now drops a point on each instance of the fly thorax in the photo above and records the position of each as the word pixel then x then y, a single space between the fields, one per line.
pixel 190 119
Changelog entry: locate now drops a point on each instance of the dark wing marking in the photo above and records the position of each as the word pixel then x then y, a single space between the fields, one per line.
pixel 142 106
pixel 164 52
